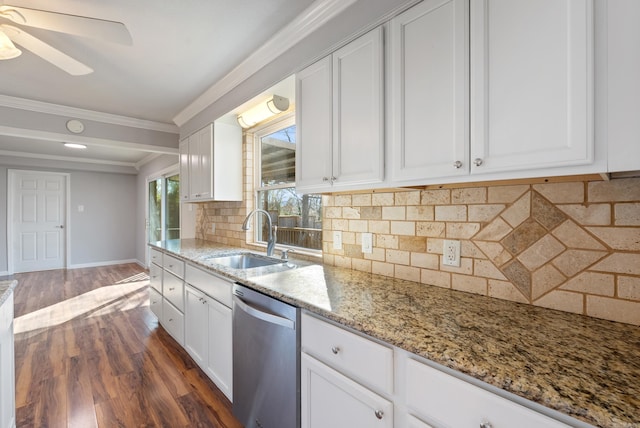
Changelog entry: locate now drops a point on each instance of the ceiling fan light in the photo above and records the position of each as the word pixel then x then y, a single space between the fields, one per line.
pixel 7 49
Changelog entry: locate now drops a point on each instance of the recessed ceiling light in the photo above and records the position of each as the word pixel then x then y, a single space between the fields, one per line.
pixel 75 146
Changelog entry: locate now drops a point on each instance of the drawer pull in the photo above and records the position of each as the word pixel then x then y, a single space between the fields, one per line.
pixel 335 350
pixel 379 414
pixel 172 288
pixel 486 425
pixel 170 319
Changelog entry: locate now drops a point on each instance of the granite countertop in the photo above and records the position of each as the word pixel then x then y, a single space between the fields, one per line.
pixel 583 367
pixel 6 288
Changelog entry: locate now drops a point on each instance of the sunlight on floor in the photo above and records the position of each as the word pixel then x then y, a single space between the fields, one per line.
pixel 122 296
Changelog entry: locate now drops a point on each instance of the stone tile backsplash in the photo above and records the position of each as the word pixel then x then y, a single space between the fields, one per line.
pixel 571 246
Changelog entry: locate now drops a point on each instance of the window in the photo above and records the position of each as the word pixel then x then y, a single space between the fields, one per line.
pixel 164 208
pixel 298 217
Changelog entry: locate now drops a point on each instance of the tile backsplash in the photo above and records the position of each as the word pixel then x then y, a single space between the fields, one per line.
pixel 571 246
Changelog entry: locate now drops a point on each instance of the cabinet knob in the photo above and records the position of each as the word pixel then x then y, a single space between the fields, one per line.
pixel 325 178
pixel 170 319
pixel 171 288
pixel 457 164
pixel 204 301
pixel 379 414
pixel 477 161
pixel 486 424
pixel 335 350
pixel 334 179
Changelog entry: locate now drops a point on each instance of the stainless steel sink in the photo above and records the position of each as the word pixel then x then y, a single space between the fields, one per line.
pixel 245 261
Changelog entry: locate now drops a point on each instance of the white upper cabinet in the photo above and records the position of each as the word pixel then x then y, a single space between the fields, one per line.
pixel 429 91
pixel 621 115
pixel 313 126
pixel 211 164
pixel 340 118
pixel 531 84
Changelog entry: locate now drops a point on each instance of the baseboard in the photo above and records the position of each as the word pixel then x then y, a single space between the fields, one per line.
pixel 107 263
pixel 5 273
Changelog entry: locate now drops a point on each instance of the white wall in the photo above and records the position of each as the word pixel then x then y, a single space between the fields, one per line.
pixel 104 233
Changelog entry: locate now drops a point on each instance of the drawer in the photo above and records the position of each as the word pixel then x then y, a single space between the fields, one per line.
pixel 173 290
pixel 445 400
pixel 155 256
pixel 173 321
pixel 155 303
pixel 173 265
pixel 210 284
pixel 155 277
pixel 362 359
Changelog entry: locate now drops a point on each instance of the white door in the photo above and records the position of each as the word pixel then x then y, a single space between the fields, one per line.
pixel 38 220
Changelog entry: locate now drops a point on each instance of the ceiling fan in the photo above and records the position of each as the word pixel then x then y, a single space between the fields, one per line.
pixel 110 31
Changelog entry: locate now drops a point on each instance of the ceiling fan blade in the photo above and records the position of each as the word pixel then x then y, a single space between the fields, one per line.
pixel 45 51
pixel 110 31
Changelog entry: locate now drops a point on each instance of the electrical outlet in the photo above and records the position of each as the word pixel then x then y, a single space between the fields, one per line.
pixel 367 243
pixel 451 253
pixel 337 240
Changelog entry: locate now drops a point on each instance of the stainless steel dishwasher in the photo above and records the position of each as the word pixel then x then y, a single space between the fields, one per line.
pixel 266 360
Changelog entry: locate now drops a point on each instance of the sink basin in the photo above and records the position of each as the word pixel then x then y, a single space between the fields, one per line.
pixel 245 261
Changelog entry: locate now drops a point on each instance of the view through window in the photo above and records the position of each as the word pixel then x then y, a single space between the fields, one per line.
pixel 164 208
pixel 298 217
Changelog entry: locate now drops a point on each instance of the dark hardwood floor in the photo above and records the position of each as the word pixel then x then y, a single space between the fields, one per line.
pixel 90 353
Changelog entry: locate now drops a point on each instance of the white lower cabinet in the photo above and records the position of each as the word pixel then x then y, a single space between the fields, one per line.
pixel 7 371
pixel 443 400
pixel 344 377
pixel 330 399
pixel 155 303
pixel 208 329
pixel 173 321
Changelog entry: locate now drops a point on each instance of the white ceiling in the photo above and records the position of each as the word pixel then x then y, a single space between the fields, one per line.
pixel 180 49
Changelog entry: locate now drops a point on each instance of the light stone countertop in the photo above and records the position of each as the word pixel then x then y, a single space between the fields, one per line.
pixel 584 367
pixel 6 288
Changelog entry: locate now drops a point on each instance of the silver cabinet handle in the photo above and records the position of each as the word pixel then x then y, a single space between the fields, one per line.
pixel 477 161
pixel 60 227
pixel 325 178
pixel 379 414
pixel 171 288
pixel 334 179
pixel 457 164
pixel 486 425
pixel 335 350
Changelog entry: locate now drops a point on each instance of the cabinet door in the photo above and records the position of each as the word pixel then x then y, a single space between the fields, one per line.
pixel 155 277
pixel 358 114
pixel 196 332
pixel 155 303
pixel 330 399
pixel 531 84
pixel 220 362
pixel 622 59
pixel 313 127
pixel 226 162
pixel 200 157
pixel 7 365
pixel 429 91
pixel 185 171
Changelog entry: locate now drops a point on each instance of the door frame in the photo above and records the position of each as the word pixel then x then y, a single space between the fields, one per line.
pixel 166 172
pixel 11 179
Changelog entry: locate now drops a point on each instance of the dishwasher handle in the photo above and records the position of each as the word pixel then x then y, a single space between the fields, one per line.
pixel 264 316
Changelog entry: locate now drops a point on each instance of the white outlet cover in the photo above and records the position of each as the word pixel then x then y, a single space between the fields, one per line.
pixel 451 253
pixel 367 243
pixel 337 239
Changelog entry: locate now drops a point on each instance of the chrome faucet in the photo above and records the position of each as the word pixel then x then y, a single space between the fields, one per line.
pixel 273 230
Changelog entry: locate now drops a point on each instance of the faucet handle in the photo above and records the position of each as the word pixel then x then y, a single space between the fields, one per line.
pixel 285 253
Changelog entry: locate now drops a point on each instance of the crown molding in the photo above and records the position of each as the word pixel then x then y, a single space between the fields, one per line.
pixel 66 159
pixel 316 15
pixel 78 113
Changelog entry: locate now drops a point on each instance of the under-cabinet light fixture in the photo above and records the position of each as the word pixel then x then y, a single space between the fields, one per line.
pixel 7 49
pixel 274 105
pixel 75 146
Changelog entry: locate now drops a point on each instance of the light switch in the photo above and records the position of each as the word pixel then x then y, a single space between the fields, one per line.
pixel 337 239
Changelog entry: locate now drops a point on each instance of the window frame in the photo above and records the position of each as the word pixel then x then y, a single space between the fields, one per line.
pixel 258 132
